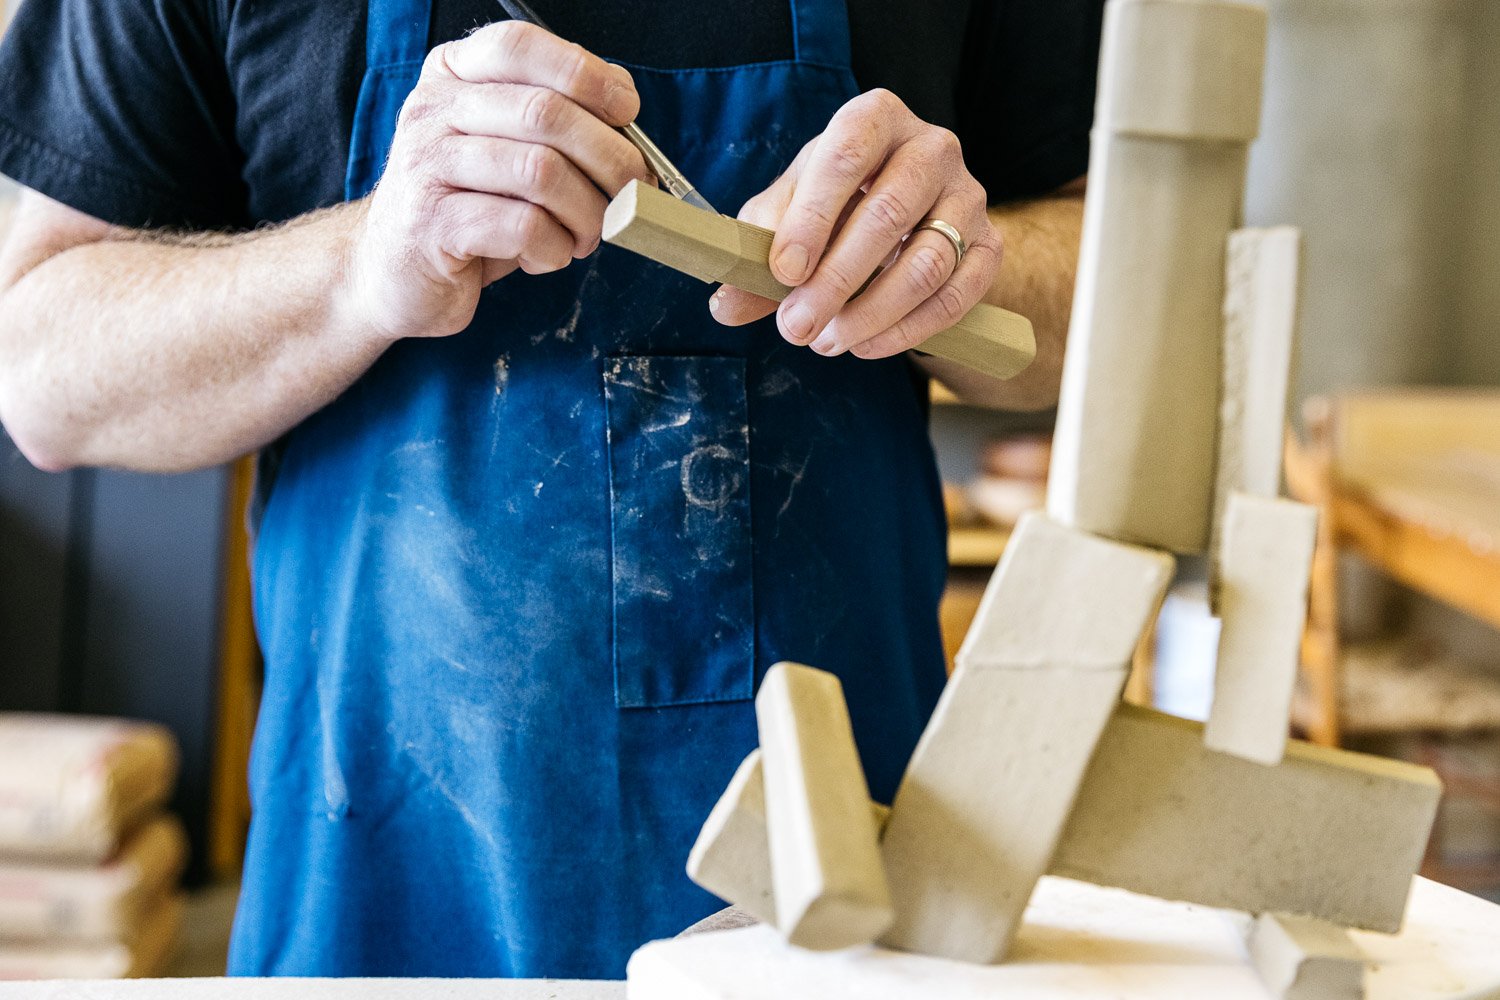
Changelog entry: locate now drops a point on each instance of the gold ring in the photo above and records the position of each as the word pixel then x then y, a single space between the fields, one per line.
pixel 946 229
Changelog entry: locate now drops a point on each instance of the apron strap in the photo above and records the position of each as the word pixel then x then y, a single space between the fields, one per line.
pixel 395 46
pixel 820 32
pixel 396 31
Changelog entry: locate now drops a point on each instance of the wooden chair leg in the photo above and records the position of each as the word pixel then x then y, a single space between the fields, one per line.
pixel 1310 477
pixel 238 690
pixel 1140 683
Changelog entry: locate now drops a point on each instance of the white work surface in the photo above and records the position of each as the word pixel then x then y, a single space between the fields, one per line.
pixel 315 989
pixel 1082 941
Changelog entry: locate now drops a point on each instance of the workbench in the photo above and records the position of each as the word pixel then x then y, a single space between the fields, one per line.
pixel 1409 479
pixel 1080 942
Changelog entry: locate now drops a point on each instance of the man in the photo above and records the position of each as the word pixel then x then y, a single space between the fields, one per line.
pixel 534 523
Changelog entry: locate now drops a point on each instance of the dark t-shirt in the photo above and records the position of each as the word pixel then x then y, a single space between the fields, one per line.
pixel 222 114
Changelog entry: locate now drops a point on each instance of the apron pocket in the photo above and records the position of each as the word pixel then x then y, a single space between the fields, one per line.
pixel 679 493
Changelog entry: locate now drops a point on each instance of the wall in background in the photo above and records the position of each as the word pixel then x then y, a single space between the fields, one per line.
pixel 1477 358
pixel 1381 139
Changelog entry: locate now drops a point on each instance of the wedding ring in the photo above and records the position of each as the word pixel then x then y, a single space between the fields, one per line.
pixel 947 230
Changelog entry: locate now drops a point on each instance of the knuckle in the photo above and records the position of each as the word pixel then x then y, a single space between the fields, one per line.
pixel 509 39
pixel 947 143
pixel 908 335
pixel 889 211
pixel 991 241
pixel 530 226
pixel 576 71
pixel 589 238
pixel 926 269
pixel 541 168
pixel 840 278
pixel 883 101
pixel 951 304
pixel 541 112
pixel 445 216
pixel 627 164
pixel 434 159
pixel 429 204
pixel 437 60
pixel 901 337
pixel 418 107
pixel 812 217
pixel 988 246
pixel 413 159
pixel 845 158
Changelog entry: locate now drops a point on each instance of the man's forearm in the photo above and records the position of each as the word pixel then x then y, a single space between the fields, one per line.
pixel 1036 280
pixel 162 355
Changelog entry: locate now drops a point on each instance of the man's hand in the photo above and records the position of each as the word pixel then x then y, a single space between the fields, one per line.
pixel 500 160
pixel 843 208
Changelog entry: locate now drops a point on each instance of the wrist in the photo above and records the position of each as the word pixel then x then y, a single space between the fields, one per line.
pixel 355 310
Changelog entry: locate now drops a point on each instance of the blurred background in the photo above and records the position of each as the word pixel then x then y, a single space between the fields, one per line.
pixel 126 596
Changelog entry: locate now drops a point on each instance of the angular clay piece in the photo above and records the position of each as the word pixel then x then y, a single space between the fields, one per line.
pixel 826 872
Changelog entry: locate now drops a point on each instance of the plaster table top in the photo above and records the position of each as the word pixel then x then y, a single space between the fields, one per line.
pixel 314 989
pixel 1084 942
pixel 1080 942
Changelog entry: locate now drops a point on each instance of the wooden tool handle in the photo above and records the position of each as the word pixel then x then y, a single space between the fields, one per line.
pixel 716 248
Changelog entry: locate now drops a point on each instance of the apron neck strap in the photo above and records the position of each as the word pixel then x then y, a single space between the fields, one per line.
pixel 396 31
pixel 820 32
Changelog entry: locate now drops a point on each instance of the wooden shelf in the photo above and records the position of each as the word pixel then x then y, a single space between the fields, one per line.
pixel 976 547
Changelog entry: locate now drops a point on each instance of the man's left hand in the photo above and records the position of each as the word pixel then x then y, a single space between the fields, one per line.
pixel 843 208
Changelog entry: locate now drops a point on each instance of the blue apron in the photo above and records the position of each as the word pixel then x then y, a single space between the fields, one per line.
pixel 516 587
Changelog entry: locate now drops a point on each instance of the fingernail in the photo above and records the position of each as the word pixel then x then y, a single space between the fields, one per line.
pixel 619 103
pixel 715 301
pixel 797 322
pixel 792 262
pixel 826 345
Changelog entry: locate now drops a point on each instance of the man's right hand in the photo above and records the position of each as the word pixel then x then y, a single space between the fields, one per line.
pixel 500 160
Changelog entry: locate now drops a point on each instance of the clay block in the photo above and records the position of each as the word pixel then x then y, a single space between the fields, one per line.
pixel 1303 959
pixel 978 814
pixel 826 872
pixel 1133 457
pixel 731 858
pixel 1064 598
pixel 1216 866
pixel 993 778
pixel 1183 70
pixel 1260 332
pixel 1265 568
pixel 716 248
pixel 1325 833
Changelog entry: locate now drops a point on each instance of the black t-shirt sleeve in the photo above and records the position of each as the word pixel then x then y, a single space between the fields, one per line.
pixel 122 110
pixel 1026 93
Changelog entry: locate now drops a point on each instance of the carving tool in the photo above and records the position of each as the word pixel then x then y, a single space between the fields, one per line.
pixel 671 178
pixel 988 339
